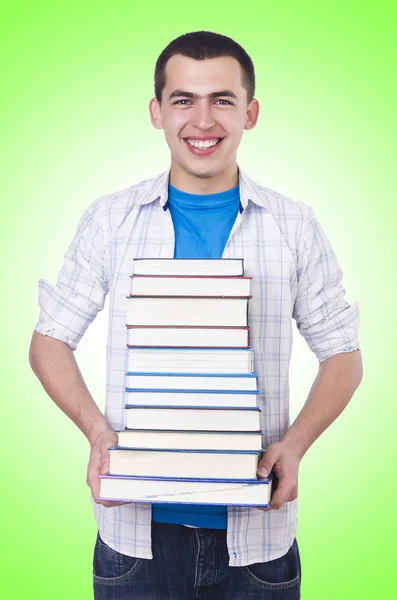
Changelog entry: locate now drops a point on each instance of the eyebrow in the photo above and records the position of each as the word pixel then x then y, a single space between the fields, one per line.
pixel 223 93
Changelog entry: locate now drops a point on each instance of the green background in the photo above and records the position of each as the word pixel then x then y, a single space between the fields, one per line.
pixel 76 81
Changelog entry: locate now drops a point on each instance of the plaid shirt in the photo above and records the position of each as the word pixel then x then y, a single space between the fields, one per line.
pixel 295 276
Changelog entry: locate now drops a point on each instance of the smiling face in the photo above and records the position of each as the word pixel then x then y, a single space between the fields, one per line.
pixel 203 112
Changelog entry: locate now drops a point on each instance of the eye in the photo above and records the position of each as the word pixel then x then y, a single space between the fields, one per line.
pixel 226 101
pixel 179 101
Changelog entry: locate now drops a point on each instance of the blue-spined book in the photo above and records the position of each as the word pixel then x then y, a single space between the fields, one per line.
pixel 191 398
pixel 209 418
pixel 203 464
pixel 187 491
pixel 192 381
pixel 189 440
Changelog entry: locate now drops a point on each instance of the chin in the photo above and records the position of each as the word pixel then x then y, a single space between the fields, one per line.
pixel 203 175
pixel 205 172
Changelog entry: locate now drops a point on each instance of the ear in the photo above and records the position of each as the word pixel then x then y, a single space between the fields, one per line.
pixel 155 113
pixel 252 114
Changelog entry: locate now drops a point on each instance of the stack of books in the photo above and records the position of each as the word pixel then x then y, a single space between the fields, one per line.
pixel 192 430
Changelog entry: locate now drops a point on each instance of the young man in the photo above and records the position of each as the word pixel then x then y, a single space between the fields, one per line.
pixel 204 206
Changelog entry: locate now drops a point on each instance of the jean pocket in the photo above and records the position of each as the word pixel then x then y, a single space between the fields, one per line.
pixel 280 574
pixel 111 567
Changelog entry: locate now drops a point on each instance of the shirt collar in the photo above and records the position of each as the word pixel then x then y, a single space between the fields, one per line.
pixel 157 189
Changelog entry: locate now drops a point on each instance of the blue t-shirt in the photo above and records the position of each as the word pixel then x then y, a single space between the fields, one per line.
pixel 202 225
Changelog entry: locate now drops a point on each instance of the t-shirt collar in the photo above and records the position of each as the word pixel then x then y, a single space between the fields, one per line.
pixel 157 189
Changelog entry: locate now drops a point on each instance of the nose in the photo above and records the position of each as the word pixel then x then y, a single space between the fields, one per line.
pixel 203 117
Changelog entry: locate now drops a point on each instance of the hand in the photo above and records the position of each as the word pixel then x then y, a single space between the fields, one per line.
pixel 285 464
pixel 99 463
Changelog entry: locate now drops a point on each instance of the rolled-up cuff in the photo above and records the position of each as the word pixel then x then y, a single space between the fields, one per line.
pixel 45 328
pixel 64 313
pixel 337 334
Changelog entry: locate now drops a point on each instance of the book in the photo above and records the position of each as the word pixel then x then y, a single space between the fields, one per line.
pixel 189 440
pixel 187 310
pixel 189 266
pixel 192 381
pixel 189 491
pixel 151 285
pixel 191 360
pixel 191 413
pixel 142 397
pixel 202 464
pixel 183 336
pixel 192 418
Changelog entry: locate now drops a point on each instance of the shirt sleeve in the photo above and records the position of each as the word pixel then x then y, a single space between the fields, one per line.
pixel 68 307
pixel 325 319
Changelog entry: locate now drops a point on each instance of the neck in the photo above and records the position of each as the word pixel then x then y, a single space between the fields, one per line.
pixel 211 184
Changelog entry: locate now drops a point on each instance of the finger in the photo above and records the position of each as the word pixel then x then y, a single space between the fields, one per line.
pixel 281 495
pixel 266 464
pixel 95 487
pixel 96 491
pixel 109 504
pixel 93 481
pixel 105 463
pixel 294 494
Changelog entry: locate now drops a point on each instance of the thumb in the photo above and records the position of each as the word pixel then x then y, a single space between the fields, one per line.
pixel 105 463
pixel 266 464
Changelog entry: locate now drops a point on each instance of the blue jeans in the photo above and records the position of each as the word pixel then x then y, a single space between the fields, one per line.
pixel 192 564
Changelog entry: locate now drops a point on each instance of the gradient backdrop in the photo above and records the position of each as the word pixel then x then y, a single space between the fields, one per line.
pixel 76 83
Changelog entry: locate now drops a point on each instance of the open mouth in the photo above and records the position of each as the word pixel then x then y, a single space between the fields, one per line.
pixel 201 147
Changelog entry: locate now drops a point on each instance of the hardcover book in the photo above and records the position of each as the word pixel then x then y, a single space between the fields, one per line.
pixel 184 336
pixel 187 310
pixel 189 491
pixel 151 285
pixel 192 381
pixel 192 418
pixel 189 266
pixel 189 440
pixel 203 464
pixel 190 398
pixel 191 360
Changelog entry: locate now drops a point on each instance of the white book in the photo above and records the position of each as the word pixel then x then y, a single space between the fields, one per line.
pixel 188 266
pixel 191 360
pixel 190 398
pixel 190 286
pixel 205 464
pixel 217 337
pixel 229 493
pixel 192 381
pixel 190 440
pixel 178 310
pixel 207 419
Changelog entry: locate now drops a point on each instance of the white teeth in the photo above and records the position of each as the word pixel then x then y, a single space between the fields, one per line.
pixel 203 145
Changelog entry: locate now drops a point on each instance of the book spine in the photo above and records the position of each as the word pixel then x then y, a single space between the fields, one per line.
pixel 159 374
pixel 172 407
pixel 186 479
pixel 192 276
pixel 179 391
pixel 184 326
pixel 184 450
pixel 257 481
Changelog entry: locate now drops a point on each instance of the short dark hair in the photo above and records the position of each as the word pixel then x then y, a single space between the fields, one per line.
pixel 201 45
